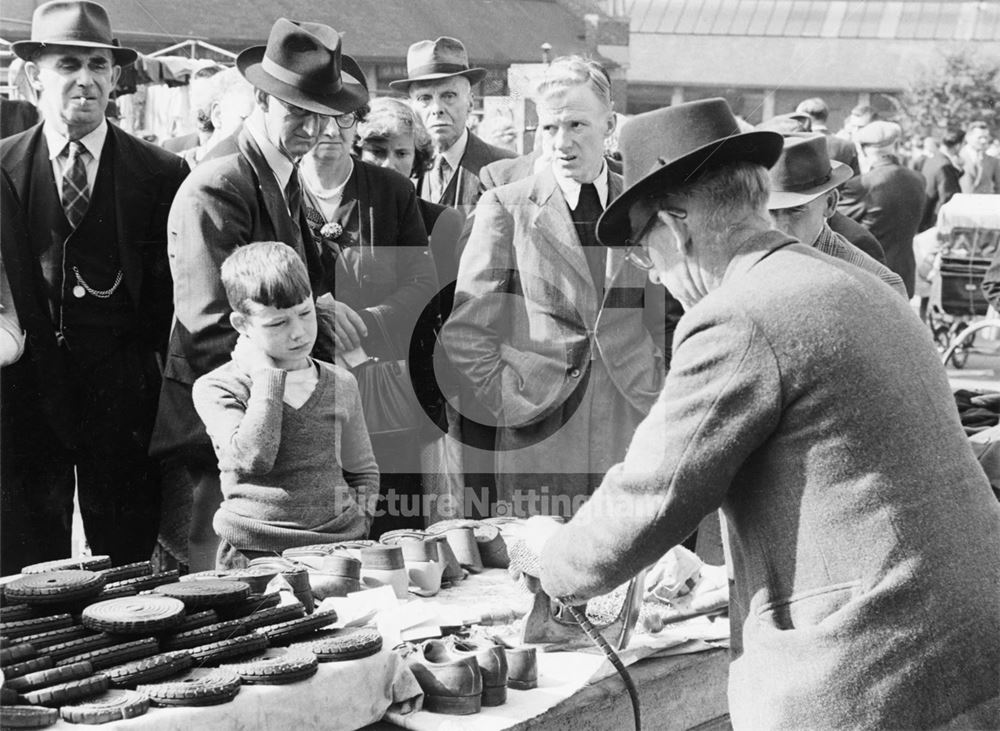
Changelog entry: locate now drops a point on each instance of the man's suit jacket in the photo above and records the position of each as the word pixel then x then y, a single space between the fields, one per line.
pixel 464 188
pixel 226 202
pixel 979 176
pixel 527 314
pixel 888 200
pixel 778 381
pixel 146 179
pixel 942 182
pixel 857 235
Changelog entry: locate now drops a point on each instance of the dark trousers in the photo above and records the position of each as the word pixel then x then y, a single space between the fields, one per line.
pixel 116 385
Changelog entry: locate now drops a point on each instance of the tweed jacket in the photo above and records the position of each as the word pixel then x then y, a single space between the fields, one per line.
pixel 857 234
pixel 867 575
pixel 464 188
pixel 979 176
pixel 228 201
pixel 145 180
pixel 942 182
pixel 527 317
pixel 888 200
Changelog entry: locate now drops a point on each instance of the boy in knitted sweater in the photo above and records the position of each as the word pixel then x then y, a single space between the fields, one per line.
pixel 296 463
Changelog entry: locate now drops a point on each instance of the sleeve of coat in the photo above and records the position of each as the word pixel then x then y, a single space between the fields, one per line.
pixel 159 292
pixel 473 332
pixel 720 401
pixel 414 271
pixel 208 220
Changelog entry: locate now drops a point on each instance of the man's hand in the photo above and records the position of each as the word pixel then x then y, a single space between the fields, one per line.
pixel 526 550
pixel 348 327
pixel 250 357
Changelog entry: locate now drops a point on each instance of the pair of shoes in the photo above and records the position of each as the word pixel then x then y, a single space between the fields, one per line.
pixel 492 660
pixel 451 683
pixel 522 665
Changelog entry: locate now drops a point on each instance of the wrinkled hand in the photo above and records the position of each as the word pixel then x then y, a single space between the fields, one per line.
pixel 250 357
pixel 348 327
pixel 525 551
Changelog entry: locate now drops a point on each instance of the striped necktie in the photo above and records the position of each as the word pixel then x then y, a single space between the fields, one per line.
pixel 75 191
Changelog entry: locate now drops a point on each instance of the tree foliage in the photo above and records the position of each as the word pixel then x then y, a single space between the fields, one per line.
pixel 959 89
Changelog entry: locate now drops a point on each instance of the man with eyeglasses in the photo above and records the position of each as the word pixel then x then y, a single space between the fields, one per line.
pixel 247 190
pixel 563 343
pixel 808 403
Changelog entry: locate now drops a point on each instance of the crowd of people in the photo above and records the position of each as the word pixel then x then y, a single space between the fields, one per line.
pixel 325 315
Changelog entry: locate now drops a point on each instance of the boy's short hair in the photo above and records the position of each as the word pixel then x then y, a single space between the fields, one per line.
pixel 268 273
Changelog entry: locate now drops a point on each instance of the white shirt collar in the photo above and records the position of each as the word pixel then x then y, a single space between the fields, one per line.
pixel 93 141
pixel 571 189
pixel 454 153
pixel 278 161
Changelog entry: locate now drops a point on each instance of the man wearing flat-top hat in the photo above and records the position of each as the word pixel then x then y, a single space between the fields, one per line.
pixel 247 190
pixel 439 83
pixel 91 287
pixel 862 531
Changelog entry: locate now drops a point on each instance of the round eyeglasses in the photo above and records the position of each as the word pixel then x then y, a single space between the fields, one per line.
pixel 636 253
pixel 346 121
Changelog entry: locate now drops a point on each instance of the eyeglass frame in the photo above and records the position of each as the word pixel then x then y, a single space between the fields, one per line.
pixel 301 113
pixel 636 254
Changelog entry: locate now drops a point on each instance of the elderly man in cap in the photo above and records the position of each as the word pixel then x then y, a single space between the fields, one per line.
pixel 561 342
pixel 439 83
pixel 867 576
pixel 887 198
pixel 248 190
pixel 91 286
pixel 804 196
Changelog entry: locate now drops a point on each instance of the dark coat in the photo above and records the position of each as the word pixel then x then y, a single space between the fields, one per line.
pixel 942 179
pixel 145 180
pixel 867 576
pixel 888 200
pixel 857 235
pixel 465 187
pixel 229 201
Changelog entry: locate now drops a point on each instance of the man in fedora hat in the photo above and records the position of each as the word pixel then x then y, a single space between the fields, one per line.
pixel 862 530
pixel 887 198
pixel 439 83
pixel 247 190
pixel 91 286
pixel 562 343
pixel 804 196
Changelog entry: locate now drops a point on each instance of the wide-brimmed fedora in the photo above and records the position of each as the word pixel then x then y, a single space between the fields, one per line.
pixel 72 23
pixel 804 172
pixel 436 60
pixel 669 147
pixel 302 65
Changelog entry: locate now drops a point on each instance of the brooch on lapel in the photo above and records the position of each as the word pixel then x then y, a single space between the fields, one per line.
pixel 331 231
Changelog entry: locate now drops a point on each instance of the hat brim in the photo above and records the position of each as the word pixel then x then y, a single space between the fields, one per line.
pixel 779 199
pixel 122 56
pixel 350 97
pixel 761 147
pixel 474 75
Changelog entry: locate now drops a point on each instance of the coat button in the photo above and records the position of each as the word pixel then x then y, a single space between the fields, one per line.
pixel 574 372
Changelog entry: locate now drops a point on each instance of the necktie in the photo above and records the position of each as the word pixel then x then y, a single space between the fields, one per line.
pixel 293 194
pixel 443 176
pixel 75 191
pixel 588 210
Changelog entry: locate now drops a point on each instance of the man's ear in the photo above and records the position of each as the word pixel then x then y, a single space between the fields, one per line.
pixel 31 71
pixel 215 114
pixel 116 73
pixel 679 228
pixel 239 322
pixel 832 198
pixel 612 123
pixel 261 97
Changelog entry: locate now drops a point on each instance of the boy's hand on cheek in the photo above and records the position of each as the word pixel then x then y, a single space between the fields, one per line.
pixel 250 357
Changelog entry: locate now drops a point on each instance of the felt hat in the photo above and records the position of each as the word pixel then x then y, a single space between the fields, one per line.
pixel 668 147
pixel 787 124
pixel 72 23
pixel 302 65
pixel 804 172
pixel 435 60
pixel 878 134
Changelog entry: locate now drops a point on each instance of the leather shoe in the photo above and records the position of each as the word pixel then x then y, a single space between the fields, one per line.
pixel 451 683
pixel 492 659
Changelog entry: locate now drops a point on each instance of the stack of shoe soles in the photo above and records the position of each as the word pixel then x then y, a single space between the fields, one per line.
pixel 92 643
pixel 459 676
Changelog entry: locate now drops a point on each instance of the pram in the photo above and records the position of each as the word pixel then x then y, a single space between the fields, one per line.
pixel 968 231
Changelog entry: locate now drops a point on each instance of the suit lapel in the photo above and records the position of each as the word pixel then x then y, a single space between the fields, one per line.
pixel 272 196
pixel 551 220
